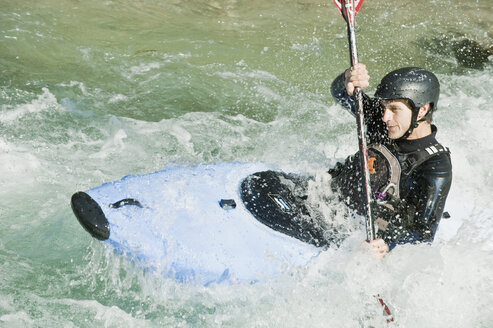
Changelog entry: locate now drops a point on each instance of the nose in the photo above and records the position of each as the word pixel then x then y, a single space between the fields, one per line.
pixel 387 115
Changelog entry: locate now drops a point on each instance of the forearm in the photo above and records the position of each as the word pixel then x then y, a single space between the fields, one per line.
pixel 338 91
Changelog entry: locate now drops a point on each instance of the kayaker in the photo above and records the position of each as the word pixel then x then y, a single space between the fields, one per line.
pixel 410 171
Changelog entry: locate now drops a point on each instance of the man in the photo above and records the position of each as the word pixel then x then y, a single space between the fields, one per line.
pixel 410 171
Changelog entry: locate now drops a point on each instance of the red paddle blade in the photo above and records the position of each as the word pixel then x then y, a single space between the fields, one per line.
pixel 349 8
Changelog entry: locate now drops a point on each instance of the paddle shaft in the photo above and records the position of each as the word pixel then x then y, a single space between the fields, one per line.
pixel 349 9
pixel 363 149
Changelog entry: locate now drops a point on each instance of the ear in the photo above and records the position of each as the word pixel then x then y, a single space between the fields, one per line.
pixel 423 110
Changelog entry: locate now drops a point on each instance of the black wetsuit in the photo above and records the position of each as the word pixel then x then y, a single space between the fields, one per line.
pixel 423 187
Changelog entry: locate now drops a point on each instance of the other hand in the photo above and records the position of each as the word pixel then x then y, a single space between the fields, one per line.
pixel 379 248
pixel 356 77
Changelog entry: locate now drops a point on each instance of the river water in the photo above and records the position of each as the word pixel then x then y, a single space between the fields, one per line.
pixel 94 90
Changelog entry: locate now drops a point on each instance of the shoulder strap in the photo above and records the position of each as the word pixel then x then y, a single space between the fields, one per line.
pixel 412 160
pixel 394 168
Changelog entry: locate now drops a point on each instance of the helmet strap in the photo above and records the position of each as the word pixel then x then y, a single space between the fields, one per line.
pixel 414 124
pixel 414 120
pixel 427 115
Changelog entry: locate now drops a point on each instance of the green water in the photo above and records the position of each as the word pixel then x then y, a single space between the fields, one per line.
pixel 94 90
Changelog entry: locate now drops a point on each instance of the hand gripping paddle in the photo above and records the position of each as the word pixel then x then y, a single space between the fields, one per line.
pixel 349 9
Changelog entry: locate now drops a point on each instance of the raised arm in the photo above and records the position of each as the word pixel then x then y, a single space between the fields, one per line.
pixel 343 86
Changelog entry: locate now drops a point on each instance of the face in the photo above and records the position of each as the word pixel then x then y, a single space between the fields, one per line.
pixel 397 115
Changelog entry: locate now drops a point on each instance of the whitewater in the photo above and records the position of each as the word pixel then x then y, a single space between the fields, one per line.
pixel 93 91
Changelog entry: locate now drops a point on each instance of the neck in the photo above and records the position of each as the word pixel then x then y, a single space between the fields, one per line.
pixel 423 130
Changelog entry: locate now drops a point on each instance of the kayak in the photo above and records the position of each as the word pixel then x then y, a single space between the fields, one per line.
pixel 226 222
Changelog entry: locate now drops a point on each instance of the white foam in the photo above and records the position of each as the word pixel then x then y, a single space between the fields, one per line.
pixel 117 98
pixel 43 102
pixel 17 319
pixel 18 164
pixel 104 315
pixel 114 144
pixel 144 68
pixel 82 87
pixel 183 137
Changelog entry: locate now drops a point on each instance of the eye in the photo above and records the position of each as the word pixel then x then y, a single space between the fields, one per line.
pixel 393 109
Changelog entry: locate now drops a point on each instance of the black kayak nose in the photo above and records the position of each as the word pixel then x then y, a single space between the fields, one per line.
pixel 90 215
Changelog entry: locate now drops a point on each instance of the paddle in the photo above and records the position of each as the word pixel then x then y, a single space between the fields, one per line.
pixel 349 9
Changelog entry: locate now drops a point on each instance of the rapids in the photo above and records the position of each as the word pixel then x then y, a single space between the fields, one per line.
pixel 91 91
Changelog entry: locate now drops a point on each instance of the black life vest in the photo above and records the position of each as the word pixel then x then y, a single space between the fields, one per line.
pixel 388 171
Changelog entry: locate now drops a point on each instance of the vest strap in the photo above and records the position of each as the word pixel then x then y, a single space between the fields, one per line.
pixel 416 158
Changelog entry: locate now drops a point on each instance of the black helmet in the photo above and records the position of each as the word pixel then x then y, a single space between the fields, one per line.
pixel 416 85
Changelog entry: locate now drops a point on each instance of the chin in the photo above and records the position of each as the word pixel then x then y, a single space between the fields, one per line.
pixel 394 136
